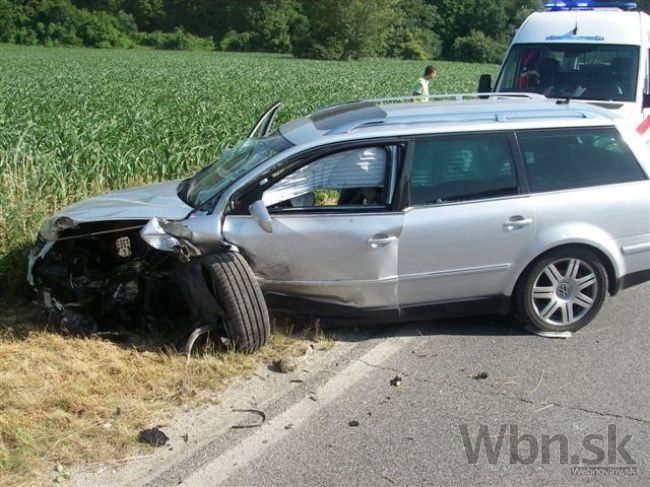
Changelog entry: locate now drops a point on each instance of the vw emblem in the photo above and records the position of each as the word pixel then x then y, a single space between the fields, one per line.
pixel 564 290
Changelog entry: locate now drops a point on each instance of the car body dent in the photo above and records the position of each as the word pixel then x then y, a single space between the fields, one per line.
pixel 334 248
pixel 200 234
pixel 370 294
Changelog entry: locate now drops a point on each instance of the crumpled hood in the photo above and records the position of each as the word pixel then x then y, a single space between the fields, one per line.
pixel 141 203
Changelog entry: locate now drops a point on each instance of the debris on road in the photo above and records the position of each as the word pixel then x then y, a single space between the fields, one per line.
pixel 290 359
pixel 389 479
pixel 189 344
pixel 285 365
pixel 480 376
pixel 549 334
pixel 186 437
pixel 396 381
pixel 153 436
pixel 353 423
pixel 548 406
pixel 261 414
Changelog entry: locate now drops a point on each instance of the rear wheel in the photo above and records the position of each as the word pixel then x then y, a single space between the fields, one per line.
pixel 235 287
pixel 562 291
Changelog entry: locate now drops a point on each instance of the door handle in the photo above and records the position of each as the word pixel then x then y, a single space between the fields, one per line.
pixel 517 221
pixel 381 240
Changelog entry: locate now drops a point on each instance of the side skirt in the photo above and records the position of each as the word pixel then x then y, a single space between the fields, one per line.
pixel 337 314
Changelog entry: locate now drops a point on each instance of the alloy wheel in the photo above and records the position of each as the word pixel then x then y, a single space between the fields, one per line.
pixel 564 291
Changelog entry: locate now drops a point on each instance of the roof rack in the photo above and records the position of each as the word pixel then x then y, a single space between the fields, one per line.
pixel 443 97
pixel 488 116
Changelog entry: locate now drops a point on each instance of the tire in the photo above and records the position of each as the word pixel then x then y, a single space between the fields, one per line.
pixel 235 287
pixel 562 291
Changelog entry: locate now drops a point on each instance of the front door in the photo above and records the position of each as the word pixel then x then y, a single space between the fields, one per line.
pixel 334 233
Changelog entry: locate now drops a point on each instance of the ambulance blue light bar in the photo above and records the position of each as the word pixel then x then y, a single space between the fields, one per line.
pixel 587 5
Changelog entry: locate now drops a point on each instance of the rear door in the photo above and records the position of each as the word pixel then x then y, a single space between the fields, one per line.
pixel 469 219
pixel 587 187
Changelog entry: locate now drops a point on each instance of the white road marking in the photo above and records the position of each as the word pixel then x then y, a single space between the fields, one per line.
pixel 271 432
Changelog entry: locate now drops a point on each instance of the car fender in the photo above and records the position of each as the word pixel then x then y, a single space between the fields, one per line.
pixel 569 233
pixel 198 235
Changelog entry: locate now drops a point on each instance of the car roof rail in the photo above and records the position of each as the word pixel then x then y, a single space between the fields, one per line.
pixel 490 116
pixel 440 97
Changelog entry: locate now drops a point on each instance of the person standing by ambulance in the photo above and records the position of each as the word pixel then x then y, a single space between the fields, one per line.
pixel 422 85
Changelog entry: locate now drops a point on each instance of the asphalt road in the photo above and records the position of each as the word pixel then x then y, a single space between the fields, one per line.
pixel 593 387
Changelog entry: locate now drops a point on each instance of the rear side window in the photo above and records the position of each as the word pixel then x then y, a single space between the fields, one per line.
pixel 577 158
pixel 462 168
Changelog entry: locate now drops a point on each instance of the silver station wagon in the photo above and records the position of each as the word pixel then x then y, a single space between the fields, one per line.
pixel 374 211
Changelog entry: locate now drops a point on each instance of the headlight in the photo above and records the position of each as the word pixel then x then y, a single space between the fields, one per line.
pixel 54 226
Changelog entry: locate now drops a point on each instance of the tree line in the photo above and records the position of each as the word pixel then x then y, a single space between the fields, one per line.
pixel 465 30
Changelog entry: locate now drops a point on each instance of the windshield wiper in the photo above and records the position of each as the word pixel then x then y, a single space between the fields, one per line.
pixel 577 92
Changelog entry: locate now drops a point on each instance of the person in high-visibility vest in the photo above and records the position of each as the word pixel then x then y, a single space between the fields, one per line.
pixel 422 85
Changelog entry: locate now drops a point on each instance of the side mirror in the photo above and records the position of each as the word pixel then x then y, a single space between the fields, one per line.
pixel 260 214
pixel 646 100
pixel 485 84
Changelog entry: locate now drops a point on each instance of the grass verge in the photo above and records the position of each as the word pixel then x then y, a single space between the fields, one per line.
pixel 67 401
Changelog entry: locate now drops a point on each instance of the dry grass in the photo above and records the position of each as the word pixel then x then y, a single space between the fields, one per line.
pixel 67 400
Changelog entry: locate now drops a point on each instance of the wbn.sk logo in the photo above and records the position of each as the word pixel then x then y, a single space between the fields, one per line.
pixel 525 449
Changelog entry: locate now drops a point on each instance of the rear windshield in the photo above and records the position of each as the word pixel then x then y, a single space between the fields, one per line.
pixel 582 71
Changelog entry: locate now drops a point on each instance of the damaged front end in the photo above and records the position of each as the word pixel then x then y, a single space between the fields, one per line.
pixel 95 276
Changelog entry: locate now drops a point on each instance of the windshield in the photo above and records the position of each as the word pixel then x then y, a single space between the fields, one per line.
pixel 210 181
pixel 582 71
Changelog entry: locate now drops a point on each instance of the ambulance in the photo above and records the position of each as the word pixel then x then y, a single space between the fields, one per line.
pixel 586 51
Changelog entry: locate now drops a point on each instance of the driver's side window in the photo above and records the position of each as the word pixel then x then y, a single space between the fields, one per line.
pixel 352 178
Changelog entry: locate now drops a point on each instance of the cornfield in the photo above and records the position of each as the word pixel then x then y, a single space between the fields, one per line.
pixel 77 122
